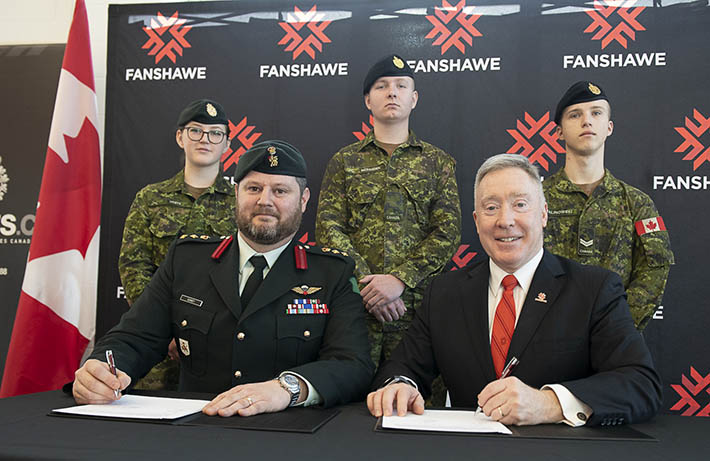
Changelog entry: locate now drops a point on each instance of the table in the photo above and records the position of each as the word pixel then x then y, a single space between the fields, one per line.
pixel 26 432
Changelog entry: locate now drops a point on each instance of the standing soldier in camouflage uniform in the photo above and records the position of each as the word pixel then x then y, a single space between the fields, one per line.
pixel 391 202
pixel 195 201
pixel 597 219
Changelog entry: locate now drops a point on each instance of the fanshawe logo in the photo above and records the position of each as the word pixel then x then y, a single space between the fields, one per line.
pixel 614 25
pixel 246 136
pixel 4 179
pixel 548 147
pixel 693 394
pixel 695 134
pixel 452 26
pixel 166 37
pixel 615 20
pixel 462 257
pixel 305 32
pixel 360 135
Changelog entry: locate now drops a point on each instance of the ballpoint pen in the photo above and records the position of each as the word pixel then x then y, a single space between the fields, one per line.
pixel 112 367
pixel 512 363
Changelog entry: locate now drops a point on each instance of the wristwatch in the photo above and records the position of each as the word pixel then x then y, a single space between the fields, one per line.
pixel 400 379
pixel 290 383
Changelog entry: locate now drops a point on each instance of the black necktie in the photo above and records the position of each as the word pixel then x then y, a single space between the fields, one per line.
pixel 259 263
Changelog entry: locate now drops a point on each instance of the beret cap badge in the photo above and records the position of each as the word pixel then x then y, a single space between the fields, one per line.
pixel 594 89
pixel 273 158
pixel 211 109
pixel 398 63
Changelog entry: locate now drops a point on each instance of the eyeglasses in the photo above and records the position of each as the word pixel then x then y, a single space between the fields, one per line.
pixel 213 136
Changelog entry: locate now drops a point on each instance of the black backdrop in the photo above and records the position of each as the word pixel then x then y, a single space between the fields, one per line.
pixel 487 85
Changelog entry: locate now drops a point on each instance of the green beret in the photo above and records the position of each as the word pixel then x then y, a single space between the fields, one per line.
pixel 203 111
pixel 579 92
pixel 389 66
pixel 271 157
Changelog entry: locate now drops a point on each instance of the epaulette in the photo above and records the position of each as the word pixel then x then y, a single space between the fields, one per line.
pixel 223 240
pixel 300 251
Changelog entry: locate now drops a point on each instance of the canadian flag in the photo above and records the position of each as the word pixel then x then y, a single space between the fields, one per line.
pixel 55 318
pixel 650 225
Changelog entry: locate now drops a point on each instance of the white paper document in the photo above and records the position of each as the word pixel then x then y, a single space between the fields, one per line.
pixel 139 407
pixel 446 421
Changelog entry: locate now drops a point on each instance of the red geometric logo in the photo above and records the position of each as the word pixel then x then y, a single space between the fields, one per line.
pixel 626 23
pixel 462 257
pixel 453 16
pixel 304 240
pixel 166 45
pixel 242 132
pixel 523 136
pixel 691 133
pixel 314 32
pixel 360 135
pixel 689 391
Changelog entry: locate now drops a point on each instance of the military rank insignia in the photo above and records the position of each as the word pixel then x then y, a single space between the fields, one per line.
pixel 273 158
pixel 307 306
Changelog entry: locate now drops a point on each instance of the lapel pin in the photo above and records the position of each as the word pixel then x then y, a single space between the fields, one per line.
pixel 541 297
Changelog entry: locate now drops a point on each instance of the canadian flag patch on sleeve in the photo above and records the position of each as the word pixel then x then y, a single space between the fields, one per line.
pixel 649 225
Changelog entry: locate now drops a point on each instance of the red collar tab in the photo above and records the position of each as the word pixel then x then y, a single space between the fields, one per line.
pixel 222 247
pixel 300 254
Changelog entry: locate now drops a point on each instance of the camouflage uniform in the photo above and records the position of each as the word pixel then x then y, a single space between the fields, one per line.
pixel 158 214
pixel 607 219
pixel 397 215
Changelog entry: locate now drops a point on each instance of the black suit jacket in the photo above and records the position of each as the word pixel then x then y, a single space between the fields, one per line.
pixel 581 336
pixel 194 297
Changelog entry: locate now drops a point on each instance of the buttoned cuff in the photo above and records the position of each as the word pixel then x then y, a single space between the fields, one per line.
pixel 313 395
pixel 576 413
pixel 400 379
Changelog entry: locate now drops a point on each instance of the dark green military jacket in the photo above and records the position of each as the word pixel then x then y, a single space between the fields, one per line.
pixel 159 213
pixel 601 230
pixel 397 214
pixel 193 298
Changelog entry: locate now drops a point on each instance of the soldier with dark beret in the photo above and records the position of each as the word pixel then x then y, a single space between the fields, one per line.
pixel 258 317
pixel 597 219
pixel 196 200
pixel 391 201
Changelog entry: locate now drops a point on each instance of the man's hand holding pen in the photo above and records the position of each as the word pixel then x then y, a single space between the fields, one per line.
pixel 511 401
pixel 94 383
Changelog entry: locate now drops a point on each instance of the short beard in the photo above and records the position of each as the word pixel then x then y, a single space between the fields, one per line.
pixel 268 234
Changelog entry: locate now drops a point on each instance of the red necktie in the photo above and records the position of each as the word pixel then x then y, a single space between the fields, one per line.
pixel 503 324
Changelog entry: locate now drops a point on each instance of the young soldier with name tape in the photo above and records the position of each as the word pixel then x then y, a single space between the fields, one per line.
pixel 597 219
pixel 258 317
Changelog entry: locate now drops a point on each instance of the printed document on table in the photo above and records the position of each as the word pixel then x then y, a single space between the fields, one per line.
pixel 446 421
pixel 139 407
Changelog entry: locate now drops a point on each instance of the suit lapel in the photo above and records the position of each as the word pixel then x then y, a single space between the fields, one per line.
pixel 543 292
pixel 225 278
pixel 280 279
pixel 475 310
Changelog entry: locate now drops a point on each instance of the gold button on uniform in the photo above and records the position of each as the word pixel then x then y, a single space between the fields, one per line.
pixel 240 336
pixel 184 323
pixel 237 374
pixel 307 334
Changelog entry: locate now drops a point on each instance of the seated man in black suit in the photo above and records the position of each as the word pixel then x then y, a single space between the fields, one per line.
pixel 264 320
pixel 581 361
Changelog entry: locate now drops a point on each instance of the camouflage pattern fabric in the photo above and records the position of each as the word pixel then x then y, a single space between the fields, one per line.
pixel 397 214
pixel 159 213
pixel 600 230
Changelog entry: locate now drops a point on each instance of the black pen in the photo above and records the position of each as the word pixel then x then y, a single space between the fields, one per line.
pixel 112 367
pixel 512 363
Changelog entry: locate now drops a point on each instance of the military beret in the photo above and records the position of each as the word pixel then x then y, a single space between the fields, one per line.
pixel 389 66
pixel 579 92
pixel 203 111
pixel 271 157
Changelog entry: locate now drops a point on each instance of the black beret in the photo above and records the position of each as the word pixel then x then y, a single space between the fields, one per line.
pixel 203 111
pixel 271 157
pixel 579 92
pixel 389 66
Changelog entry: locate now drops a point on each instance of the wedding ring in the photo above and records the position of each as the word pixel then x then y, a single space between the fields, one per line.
pixel 501 412
pixel 251 402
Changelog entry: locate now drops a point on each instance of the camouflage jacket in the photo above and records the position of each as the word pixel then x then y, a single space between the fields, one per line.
pixel 600 230
pixel 158 214
pixel 397 214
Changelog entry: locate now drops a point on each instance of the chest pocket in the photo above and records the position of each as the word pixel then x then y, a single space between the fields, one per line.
pixel 420 194
pixel 191 327
pixel 362 191
pixel 299 337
